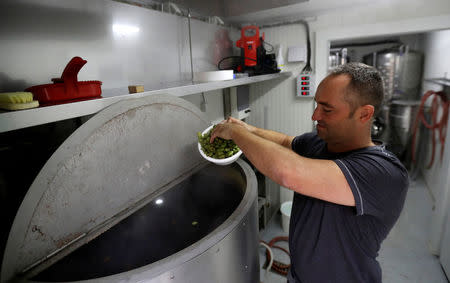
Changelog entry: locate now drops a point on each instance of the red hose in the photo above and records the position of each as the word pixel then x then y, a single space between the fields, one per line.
pixel 439 126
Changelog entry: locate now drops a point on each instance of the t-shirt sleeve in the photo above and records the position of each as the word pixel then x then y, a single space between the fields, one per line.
pixel 378 181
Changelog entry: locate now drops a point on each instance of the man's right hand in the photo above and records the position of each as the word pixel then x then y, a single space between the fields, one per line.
pixel 273 136
pixel 248 127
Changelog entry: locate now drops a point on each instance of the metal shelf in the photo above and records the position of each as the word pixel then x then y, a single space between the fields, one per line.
pixel 37 116
pixel 440 81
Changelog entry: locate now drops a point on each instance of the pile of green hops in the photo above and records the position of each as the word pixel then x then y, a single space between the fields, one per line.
pixel 219 149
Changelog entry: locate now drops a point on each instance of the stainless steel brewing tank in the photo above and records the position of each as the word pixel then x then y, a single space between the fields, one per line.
pixel 401 70
pixel 127 198
pixel 402 116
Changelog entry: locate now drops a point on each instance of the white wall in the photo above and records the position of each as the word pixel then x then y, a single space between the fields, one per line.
pixel 214 104
pixel 437 65
pixel 284 112
pixel 274 105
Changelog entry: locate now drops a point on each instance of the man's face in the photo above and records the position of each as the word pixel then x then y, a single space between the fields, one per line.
pixel 334 123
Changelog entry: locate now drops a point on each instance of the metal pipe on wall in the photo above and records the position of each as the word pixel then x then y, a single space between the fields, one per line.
pixel 190 44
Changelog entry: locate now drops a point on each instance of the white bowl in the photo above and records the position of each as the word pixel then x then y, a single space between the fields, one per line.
pixel 224 161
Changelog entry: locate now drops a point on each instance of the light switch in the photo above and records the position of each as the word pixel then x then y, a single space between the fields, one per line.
pixel 297 54
pixel 305 85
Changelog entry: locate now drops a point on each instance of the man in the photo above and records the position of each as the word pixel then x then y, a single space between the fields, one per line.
pixel 348 191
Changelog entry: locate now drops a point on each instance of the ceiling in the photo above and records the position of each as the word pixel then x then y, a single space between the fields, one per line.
pixel 233 8
pixel 296 11
pixel 261 11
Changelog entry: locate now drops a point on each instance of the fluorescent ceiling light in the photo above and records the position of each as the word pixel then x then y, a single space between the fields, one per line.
pixel 124 29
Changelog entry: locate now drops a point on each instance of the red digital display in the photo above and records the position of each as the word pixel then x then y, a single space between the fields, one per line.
pixel 305 78
pixel 305 88
pixel 304 93
pixel 305 83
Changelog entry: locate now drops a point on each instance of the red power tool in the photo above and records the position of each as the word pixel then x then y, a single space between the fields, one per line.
pixel 249 43
pixel 253 54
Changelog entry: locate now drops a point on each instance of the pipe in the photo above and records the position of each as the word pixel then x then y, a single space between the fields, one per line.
pixel 190 44
pixel 278 267
pixel 361 44
pixel 269 266
pixel 307 67
pixel 439 126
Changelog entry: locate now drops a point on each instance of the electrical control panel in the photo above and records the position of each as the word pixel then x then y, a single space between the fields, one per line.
pixel 305 85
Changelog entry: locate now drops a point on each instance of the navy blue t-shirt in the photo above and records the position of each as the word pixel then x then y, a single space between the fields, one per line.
pixel 335 243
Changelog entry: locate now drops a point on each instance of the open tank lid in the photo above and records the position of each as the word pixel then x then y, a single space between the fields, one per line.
pixel 127 153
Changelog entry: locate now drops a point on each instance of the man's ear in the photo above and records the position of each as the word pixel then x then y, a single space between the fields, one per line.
pixel 366 113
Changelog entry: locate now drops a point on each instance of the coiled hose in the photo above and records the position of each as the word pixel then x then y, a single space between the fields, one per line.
pixel 274 265
pixel 439 99
pixel 269 250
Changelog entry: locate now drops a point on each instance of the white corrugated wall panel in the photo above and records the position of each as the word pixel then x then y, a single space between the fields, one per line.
pixel 276 101
pixel 274 104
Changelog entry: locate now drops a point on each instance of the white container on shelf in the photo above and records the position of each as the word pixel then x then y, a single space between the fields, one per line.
pixel 279 58
pixel 213 76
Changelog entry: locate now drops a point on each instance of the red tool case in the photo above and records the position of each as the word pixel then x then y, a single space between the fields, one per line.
pixel 67 87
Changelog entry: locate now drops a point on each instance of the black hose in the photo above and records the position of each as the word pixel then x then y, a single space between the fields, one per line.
pixel 229 57
pixel 307 67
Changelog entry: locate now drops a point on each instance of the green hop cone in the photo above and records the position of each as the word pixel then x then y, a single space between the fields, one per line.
pixel 219 149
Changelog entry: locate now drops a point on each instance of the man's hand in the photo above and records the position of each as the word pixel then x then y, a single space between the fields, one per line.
pixel 225 129
pixel 248 127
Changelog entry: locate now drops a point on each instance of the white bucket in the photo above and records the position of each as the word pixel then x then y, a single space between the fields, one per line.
pixel 285 209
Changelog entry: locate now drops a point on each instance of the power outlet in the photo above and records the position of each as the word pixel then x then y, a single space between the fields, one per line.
pixel 305 87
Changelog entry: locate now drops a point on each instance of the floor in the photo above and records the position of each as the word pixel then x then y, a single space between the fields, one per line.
pixel 404 256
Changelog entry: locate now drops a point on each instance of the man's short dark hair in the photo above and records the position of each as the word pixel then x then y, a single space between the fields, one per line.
pixel 366 82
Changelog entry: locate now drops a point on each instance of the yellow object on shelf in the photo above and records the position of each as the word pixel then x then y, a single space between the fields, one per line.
pixel 135 88
pixel 17 100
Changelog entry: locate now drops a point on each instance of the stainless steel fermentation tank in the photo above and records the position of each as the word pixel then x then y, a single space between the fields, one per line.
pixel 127 198
pixel 401 70
pixel 402 115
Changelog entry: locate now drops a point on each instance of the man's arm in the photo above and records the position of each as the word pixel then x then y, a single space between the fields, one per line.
pixel 321 179
pixel 273 136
